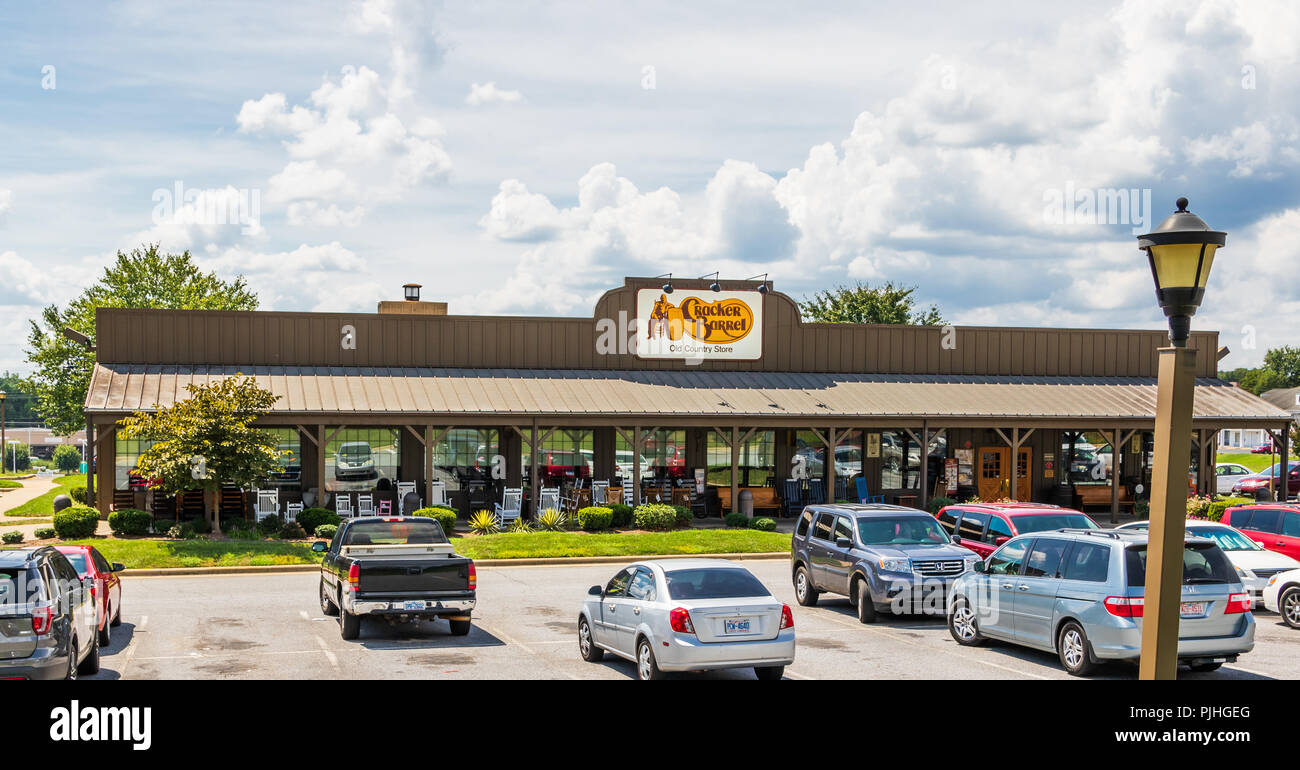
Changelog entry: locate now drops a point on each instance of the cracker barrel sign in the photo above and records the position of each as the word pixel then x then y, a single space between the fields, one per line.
pixel 699 325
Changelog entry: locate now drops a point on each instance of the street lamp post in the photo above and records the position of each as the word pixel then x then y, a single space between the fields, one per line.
pixel 1180 252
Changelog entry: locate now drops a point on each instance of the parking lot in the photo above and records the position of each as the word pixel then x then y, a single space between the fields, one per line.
pixel 271 627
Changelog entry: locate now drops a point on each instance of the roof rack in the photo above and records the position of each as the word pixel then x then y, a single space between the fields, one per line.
pixel 1085 531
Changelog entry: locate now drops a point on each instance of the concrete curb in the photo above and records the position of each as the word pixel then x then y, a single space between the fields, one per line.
pixel 553 562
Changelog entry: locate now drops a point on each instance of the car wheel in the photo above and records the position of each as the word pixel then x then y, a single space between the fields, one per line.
pixel 349 624
pixel 769 673
pixel 459 627
pixel 327 606
pixel 1289 606
pixel 117 616
pixel 106 634
pixel 862 598
pixel 586 645
pixel 72 660
pixel 1072 647
pixel 963 625
pixel 646 667
pixel 804 593
pixel 91 664
pixel 1205 667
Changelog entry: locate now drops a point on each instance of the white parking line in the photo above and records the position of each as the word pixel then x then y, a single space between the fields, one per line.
pixel 516 643
pixel 331 657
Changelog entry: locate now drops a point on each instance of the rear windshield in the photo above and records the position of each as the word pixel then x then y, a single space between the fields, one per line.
pixel 901 530
pixel 713 583
pixel 1050 521
pixel 1203 563
pixel 407 531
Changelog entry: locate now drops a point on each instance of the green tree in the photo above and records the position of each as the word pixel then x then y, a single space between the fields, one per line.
pixel 20 401
pixel 17 458
pixel 1285 362
pixel 207 440
pixel 1260 380
pixel 144 278
pixel 865 304
pixel 67 458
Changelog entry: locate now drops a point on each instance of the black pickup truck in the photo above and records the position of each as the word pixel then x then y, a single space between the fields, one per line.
pixel 398 569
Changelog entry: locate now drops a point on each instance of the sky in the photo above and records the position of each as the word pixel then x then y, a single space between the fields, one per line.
pixel 522 157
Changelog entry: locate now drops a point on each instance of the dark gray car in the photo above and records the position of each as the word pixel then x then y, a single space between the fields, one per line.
pixel 48 622
pixel 883 557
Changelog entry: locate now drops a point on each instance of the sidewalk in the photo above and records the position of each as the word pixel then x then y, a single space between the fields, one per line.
pixel 31 489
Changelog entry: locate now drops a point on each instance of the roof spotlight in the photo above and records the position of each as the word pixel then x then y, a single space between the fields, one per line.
pixel 762 287
pixel 668 285
pixel 715 286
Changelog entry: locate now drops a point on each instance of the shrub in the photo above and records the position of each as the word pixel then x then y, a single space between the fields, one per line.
pixel 1198 506
pixel 519 527
pixel 17 456
pixel 765 524
pixel 11 537
pixel 67 458
pixel 311 518
pixel 683 515
pixel 1142 509
pixel 76 522
pixel 1215 510
pixel 271 525
pixel 200 526
pixel 45 533
pixel 654 516
pixel 327 531
pixel 622 515
pixel 736 519
pixel 130 521
pixel 181 531
pixel 78 495
pixel 446 517
pixel 936 503
pixel 595 518
pixel 483 523
pixel 292 531
pixel 550 520
pixel 242 531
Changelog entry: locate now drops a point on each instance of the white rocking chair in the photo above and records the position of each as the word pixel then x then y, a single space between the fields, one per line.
pixel 365 505
pixel 268 503
pixel 439 496
pixel 510 507
pixel 343 505
pixel 291 512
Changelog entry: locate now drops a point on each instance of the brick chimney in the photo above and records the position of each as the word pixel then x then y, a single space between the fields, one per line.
pixel 412 304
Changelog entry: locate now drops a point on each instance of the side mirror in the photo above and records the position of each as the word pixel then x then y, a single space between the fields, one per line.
pixel 956 538
pixel 320 546
pixel 595 591
pixel 118 566
pixel 843 542
pixel 1001 540
pixel 980 567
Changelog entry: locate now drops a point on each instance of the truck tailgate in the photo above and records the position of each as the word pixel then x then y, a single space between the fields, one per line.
pixel 399 576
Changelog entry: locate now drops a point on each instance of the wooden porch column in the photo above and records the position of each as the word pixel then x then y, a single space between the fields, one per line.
pixel 428 467
pixel 535 477
pixel 1286 463
pixel 735 468
pixel 1114 475
pixel 925 465
pixel 832 441
pixel 320 465
pixel 90 464
pixel 636 465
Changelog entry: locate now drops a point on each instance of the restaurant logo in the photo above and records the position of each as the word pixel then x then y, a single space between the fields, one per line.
pixel 700 326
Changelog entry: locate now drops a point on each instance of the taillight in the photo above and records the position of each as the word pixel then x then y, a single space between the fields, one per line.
pixel 354 577
pixel 680 620
pixel 1124 606
pixel 42 620
pixel 1237 603
pixel 473 577
pixel 787 619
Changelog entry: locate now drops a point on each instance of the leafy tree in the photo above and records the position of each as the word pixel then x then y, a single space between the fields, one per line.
pixel 207 440
pixel 1260 380
pixel 864 304
pixel 20 401
pixel 17 457
pixel 144 278
pixel 67 458
pixel 1285 362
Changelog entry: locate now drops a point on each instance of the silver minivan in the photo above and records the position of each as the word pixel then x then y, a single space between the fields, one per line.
pixel 1079 593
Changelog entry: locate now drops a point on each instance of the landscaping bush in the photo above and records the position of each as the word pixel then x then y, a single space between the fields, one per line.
pixel 683 515
pixel 550 520
pixel 67 458
pixel 1215 510
pixel 483 523
pixel 519 527
pixel 11 537
pixel 130 521
pixel 654 516
pixel 271 525
pixel 764 524
pixel 76 522
pixel 181 531
pixel 937 503
pixel 736 519
pixel 622 515
pixel 311 518
pixel 45 533
pixel 78 495
pixel 1198 506
pixel 292 531
pixel 595 518
pixel 327 531
pixel 443 515
pixel 17 457
pixel 200 526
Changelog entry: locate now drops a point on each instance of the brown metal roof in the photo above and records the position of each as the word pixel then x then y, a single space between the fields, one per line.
pixel 421 394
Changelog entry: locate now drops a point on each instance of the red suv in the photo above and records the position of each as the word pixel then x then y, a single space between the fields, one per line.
pixel 106 590
pixel 1276 526
pixel 982 527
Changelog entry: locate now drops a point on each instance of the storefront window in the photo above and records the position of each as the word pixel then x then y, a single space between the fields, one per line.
pixel 663 454
pixel 564 456
pixel 287 440
pixel 357 458
pixel 757 460
pixel 900 459
pixel 128 451
pixel 465 455
pixel 1089 456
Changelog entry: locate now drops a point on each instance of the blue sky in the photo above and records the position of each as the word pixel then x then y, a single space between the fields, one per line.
pixel 514 158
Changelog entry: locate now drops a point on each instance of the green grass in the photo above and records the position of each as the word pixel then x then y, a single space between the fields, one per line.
pixel 155 554
pixel 549 545
pixel 44 505
pixel 10 484
pixel 1255 463
pixel 24 521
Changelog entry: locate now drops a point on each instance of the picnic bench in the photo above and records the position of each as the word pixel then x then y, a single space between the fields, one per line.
pixel 765 498
pixel 1099 495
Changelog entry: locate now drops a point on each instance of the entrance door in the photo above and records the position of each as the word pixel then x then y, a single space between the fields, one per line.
pixel 1024 474
pixel 994 470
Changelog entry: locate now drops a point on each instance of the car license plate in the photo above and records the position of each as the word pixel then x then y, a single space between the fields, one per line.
pixel 1192 609
pixel 412 605
pixel 736 626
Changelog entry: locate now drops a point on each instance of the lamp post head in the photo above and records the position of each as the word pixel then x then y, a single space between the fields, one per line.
pixel 1181 251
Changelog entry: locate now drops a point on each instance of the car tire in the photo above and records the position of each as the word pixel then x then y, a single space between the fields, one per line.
pixel 804 592
pixel 769 673
pixel 963 625
pixel 106 634
pixel 327 605
pixel 1205 668
pixel 91 664
pixel 117 616
pixel 1074 650
pixel 861 596
pixel 587 644
pixel 349 624
pixel 647 668
pixel 460 627
pixel 1288 606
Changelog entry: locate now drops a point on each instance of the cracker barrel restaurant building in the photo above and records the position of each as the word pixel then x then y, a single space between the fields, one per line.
pixel 716 396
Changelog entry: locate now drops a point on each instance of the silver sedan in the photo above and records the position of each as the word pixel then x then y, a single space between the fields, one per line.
pixel 687 615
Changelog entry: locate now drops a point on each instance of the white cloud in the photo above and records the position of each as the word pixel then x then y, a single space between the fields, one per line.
pixel 23 283
pixel 6 200
pixel 203 219
pixel 327 277
pixel 488 93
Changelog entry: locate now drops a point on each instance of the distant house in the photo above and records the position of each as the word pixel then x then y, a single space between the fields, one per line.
pixel 41 441
pixel 1286 399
